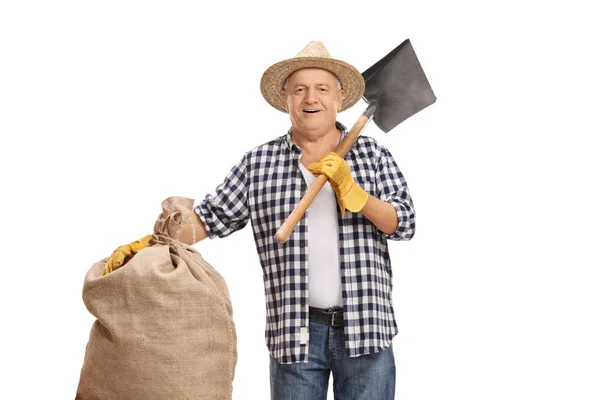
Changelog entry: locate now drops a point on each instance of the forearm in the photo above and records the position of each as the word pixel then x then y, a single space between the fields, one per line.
pixel 382 214
pixel 189 233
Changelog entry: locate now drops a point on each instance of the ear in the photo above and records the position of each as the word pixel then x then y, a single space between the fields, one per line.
pixel 341 95
pixel 284 100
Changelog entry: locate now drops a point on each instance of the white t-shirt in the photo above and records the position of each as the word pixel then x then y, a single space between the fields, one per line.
pixel 324 281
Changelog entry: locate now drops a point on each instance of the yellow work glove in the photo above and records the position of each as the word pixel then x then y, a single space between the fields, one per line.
pixel 124 253
pixel 350 196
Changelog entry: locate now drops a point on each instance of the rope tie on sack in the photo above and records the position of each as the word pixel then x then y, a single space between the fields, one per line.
pixel 160 238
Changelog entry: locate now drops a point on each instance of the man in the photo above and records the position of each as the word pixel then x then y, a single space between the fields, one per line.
pixel 328 287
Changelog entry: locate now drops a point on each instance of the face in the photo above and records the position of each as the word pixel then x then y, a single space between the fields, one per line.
pixel 313 100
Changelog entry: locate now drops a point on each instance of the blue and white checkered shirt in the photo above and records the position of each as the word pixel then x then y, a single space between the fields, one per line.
pixel 264 188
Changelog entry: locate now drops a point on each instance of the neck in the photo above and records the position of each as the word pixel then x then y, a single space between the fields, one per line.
pixel 315 146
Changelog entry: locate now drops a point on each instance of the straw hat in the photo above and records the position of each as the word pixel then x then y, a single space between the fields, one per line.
pixel 314 55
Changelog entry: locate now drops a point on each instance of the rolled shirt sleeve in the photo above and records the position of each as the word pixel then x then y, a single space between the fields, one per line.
pixel 394 190
pixel 226 211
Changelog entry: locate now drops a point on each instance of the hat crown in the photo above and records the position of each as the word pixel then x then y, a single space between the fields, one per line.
pixel 314 49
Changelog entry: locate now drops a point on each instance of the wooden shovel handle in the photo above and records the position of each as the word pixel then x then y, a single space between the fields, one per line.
pixel 295 216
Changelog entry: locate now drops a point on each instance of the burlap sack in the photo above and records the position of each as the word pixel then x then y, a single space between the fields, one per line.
pixel 164 327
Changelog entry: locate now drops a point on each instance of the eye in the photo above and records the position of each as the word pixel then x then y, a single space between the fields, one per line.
pixel 323 90
pixel 299 90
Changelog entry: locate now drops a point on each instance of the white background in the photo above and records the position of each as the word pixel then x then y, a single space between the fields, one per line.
pixel 107 108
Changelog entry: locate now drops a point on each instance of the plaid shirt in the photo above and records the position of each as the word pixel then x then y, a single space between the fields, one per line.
pixel 264 187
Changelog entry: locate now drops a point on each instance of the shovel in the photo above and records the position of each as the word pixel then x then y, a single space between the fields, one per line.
pixel 396 88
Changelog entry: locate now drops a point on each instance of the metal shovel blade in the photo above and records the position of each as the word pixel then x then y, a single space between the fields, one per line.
pixel 398 86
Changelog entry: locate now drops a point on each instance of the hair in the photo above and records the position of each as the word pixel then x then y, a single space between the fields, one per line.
pixel 339 84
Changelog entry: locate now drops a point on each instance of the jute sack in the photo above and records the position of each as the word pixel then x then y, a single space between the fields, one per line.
pixel 164 327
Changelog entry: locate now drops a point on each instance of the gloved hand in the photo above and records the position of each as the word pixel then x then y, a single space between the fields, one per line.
pixel 349 195
pixel 123 253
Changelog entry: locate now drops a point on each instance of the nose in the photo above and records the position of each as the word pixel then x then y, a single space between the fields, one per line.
pixel 311 96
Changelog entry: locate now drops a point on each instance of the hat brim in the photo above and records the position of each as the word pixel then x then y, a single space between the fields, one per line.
pixel 271 83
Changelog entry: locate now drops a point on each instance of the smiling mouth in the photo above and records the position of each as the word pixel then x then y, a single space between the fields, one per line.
pixel 311 111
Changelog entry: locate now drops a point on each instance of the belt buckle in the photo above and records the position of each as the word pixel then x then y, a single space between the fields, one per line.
pixel 333 313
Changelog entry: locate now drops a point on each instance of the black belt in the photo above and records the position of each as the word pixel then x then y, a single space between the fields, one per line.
pixel 333 316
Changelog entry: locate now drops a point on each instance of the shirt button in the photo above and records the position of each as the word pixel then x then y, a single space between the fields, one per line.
pixel 302 304
pixel 302 245
pixel 303 188
pixel 302 273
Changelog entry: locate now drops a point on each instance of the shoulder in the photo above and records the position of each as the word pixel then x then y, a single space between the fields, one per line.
pixel 370 147
pixel 262 156
pixel 265 149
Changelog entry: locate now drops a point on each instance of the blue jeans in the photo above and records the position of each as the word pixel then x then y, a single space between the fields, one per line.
pixel 368 377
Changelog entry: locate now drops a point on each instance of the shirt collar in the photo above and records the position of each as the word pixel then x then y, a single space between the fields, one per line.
pixel 287 139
